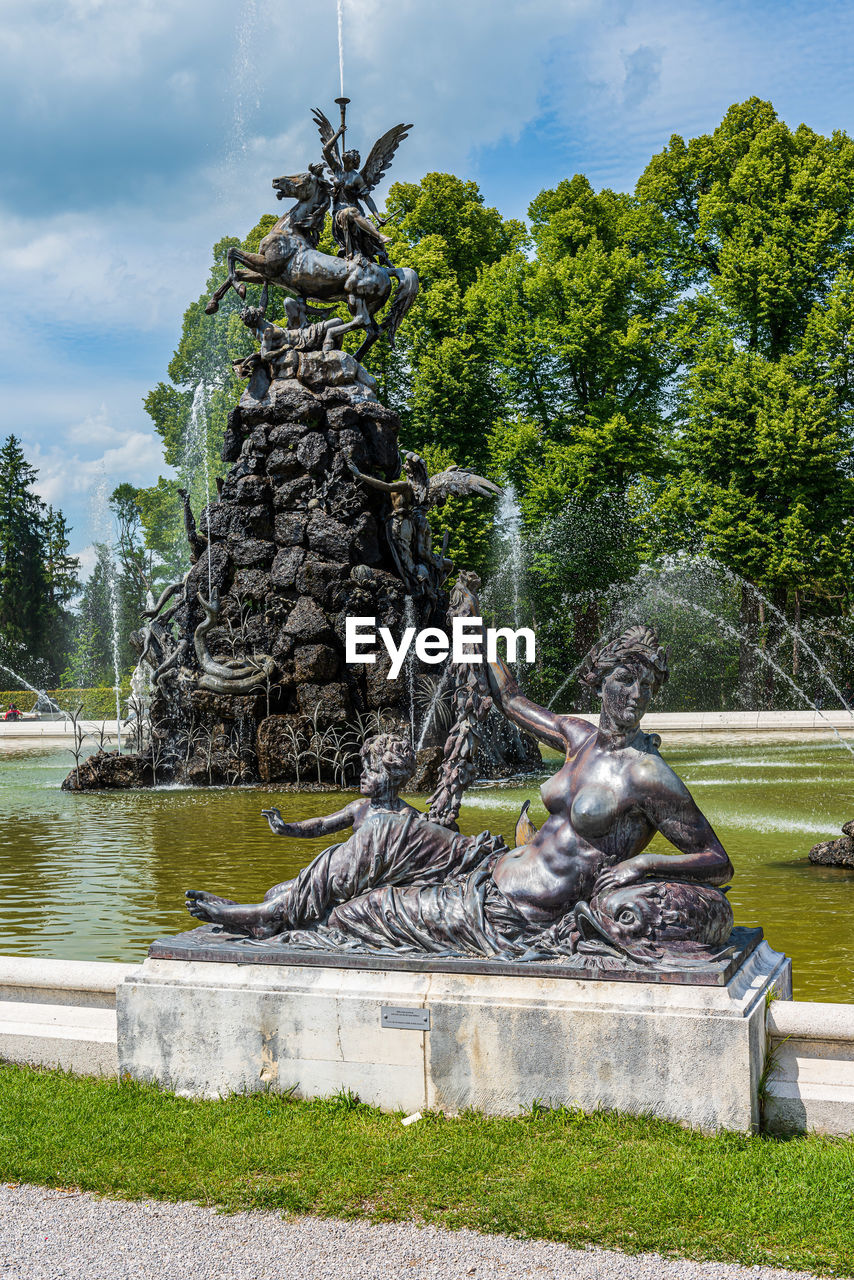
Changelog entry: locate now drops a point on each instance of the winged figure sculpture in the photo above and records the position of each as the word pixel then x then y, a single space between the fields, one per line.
pixel 458 480
pixel 351 186
pixel 406 525
pixel 289 255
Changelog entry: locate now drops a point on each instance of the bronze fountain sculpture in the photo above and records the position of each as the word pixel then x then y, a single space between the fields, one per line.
pixel 582 884
pixel 316 526
pixel 586 882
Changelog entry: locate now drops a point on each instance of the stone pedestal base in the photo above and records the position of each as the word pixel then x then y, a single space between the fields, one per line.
pixel 496 1043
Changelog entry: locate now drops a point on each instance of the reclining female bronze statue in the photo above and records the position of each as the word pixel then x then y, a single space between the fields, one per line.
pixel 403 883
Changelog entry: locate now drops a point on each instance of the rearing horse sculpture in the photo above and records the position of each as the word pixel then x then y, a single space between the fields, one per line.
pixel 287 257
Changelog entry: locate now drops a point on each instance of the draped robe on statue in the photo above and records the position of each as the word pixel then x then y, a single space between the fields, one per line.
pixel 403 883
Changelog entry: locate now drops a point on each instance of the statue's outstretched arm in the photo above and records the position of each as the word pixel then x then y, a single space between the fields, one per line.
pixel 325 825
pixel 558 731
pixel 330 150
pixel 398 486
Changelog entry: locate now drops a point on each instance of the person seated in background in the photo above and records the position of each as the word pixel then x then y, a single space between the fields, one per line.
pixel 13 713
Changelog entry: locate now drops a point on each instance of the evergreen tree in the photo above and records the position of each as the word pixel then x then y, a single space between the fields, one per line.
pixel 61 570
pixel 38 577
pixel 24 605
pixel 91 659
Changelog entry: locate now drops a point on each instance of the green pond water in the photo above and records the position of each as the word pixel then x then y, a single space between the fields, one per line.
pixel 97 877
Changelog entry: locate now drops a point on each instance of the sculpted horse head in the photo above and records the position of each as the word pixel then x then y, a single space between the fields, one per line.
pixel 310 188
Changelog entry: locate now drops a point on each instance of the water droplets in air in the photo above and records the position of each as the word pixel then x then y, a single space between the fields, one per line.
pixel 102 524
pixel 410 623
pixel 794 633
pixel 509 519
pixel 25 683
pixel 244 85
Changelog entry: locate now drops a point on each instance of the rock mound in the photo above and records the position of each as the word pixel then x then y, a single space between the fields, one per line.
pixel 247 652
pixel 836 853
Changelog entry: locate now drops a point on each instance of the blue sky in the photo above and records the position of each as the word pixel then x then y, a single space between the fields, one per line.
pixel 137 132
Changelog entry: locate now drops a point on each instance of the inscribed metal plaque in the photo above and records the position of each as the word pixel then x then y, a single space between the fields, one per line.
pixel 403 1018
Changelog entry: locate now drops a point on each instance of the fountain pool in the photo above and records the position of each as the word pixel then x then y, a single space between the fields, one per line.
pixel 97 876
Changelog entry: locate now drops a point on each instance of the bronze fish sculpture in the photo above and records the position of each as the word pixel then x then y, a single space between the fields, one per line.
pixel 654 921
pixel 645 920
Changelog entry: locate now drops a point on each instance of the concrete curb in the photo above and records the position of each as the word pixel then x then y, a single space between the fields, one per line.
pixel 63 1013
pixel 60 1013
pixel 670 722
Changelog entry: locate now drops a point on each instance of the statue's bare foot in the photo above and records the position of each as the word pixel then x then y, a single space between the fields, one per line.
pixel 210 907
pixel 234 917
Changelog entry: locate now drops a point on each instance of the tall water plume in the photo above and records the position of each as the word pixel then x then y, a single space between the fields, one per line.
pixel 197 449
pixel 244 91
pixel 341 45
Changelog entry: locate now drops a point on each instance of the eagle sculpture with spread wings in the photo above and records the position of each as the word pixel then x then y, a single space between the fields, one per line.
pixel 356 234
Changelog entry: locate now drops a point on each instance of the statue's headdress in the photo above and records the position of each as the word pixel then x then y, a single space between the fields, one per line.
pixel 638 644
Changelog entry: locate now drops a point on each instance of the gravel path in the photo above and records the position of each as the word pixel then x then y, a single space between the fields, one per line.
pixel 51 1235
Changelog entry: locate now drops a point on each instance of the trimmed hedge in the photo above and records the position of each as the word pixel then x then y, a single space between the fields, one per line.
pixel 98 703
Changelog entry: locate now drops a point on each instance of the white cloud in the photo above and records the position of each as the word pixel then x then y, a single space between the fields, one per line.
pixel 82 41
pixel 114 266
pixel 88 558
pixel 138 458
pixel 94 430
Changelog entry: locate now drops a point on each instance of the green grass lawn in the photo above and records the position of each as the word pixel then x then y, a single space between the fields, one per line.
pixel 636 1184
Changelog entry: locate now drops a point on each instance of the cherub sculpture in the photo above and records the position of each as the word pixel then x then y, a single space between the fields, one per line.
pixel 407 527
